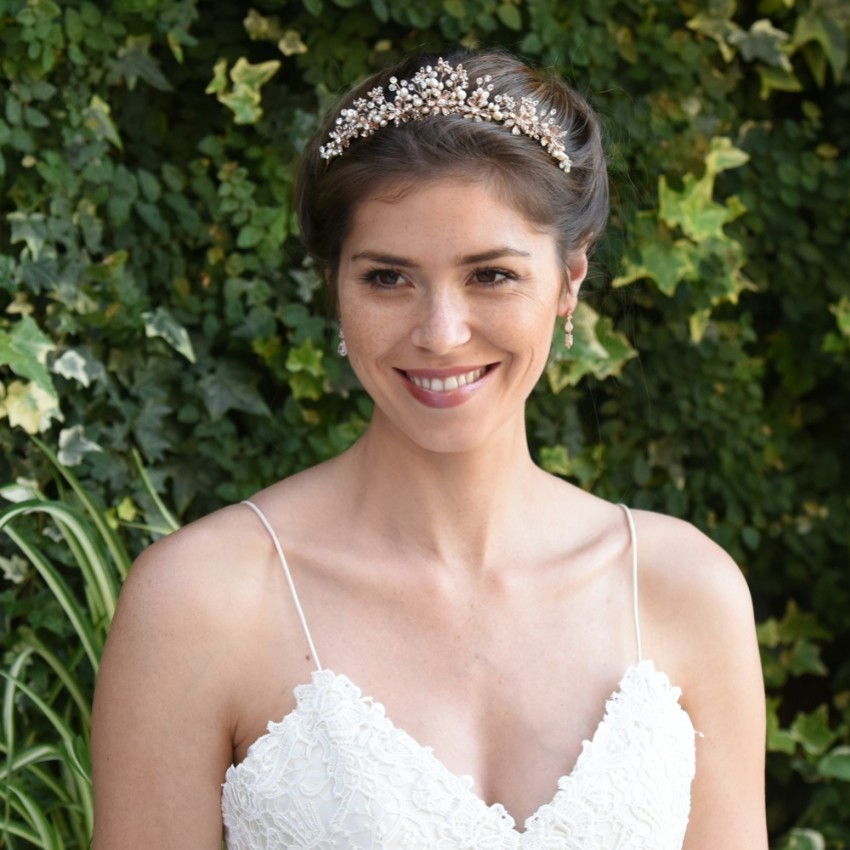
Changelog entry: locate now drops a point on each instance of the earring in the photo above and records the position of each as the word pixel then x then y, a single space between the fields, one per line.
pixel 342 348
pixel 568 331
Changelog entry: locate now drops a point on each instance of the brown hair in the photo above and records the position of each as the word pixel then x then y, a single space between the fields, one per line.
pixel 572 206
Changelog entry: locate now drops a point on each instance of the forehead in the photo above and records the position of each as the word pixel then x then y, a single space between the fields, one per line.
pixel 447 212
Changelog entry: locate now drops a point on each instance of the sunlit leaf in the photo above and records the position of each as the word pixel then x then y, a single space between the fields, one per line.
pixel 160 323
pixel 598 350
pixel 74 445
pixel 24 350
pixel 29 407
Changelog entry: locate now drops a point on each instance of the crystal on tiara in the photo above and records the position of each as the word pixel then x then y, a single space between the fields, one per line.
pixel 443 90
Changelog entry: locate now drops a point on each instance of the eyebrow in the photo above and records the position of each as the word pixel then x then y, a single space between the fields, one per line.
pixel 467 260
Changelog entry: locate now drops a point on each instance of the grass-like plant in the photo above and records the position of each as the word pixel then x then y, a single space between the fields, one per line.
pixel 47 682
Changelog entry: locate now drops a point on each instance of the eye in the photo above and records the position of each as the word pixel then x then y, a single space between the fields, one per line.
pixel 384 278
pixel 492 277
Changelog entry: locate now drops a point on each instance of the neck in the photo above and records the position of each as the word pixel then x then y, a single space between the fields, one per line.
pixel 457 509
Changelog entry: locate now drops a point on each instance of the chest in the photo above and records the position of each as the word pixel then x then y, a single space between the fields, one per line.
pixel 504 693
pixel 338 772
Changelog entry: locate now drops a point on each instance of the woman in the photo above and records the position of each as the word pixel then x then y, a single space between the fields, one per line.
pixel 502 617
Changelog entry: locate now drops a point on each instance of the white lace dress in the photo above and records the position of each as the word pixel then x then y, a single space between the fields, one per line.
pixel 337 773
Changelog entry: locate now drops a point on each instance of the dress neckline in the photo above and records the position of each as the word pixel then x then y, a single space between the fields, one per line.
pixel 638 679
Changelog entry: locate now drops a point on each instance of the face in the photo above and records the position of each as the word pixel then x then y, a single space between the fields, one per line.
pixel 447 299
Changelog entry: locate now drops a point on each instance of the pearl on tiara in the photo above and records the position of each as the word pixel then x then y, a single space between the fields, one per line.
pixel 443 90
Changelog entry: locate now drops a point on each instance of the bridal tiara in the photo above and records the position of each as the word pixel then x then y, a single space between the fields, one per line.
pixel 443 90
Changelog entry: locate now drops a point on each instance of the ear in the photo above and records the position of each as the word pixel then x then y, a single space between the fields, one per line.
pixel 576 271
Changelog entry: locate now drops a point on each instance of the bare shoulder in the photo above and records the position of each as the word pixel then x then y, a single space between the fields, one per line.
pixel 698 624
pixel 209 563
pixel 687 580
pixel 175 662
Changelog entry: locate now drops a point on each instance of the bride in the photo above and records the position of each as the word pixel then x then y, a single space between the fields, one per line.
pixel 429 642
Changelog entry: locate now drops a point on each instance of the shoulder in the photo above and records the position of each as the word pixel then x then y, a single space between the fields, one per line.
pixel 696 608
pixel 679 564
pixel 698 624
pixel 172 670
pixel 211 564
pixel 202 593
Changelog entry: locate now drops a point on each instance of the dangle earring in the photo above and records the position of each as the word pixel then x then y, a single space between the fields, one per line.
pixel 568 331
pixel 342 348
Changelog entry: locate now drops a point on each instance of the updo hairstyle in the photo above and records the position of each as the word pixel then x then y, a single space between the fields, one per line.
pixel 572 206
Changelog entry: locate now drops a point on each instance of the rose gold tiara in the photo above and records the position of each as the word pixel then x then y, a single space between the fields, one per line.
pixel 443 90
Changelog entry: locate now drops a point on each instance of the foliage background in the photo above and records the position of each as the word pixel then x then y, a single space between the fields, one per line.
pixel 155 299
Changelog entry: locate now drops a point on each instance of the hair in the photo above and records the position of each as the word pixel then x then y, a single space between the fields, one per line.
pixel 572 206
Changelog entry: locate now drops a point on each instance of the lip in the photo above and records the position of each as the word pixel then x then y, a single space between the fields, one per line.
pixel 444 398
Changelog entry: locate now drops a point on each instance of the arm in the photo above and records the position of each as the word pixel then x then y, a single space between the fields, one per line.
pixel 701 613
pixel 161 738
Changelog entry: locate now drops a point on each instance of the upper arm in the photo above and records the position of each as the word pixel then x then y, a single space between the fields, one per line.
pixel 161 738
pixel 707 617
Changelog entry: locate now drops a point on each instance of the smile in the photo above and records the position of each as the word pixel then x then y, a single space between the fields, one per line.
pixel 445 385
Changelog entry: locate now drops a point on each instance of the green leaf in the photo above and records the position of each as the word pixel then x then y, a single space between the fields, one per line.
pixel 230 387
pixel 841 311
pixel 160 323
pixel 797 624
pixel 803 839
pixel 254 76
pixel 217 84
pixel 778 740
pixel 813 731
pixel 805 659
pixel 306 358
pixel 510 16
pixel 292 44
pixel 723 156
pixel 76 365
pixel 721 29
pixel 663 260
pixel 77 616
pixel 98 118
pixel 73 445
pixel 555 459
pixel 134 62
pixel 836 764
pixel 261 27
pixel 30 228
pixel 15 569
pixel 599 350
pixel 813 26
pixel 777 79
pixel 24 350
pixel 74 26
pixel 763 42
pixel 244 99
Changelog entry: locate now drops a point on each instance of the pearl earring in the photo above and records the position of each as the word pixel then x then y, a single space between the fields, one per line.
pixel 342 348
pixel 568 331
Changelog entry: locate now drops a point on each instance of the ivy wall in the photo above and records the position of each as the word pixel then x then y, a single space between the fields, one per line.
pixel 164 338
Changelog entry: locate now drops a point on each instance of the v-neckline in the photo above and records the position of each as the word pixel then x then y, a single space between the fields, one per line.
pixel 465 783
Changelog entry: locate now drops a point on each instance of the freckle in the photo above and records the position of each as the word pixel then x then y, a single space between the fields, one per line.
pixel 307 657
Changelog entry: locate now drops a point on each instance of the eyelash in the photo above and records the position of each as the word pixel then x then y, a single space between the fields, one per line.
pixel 373 277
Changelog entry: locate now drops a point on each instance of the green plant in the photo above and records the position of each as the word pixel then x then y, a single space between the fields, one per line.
pixel 49 668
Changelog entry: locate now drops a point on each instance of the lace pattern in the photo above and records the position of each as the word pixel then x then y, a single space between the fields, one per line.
pixel 336 774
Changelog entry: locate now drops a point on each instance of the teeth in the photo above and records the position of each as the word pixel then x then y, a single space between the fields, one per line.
pixel 439 385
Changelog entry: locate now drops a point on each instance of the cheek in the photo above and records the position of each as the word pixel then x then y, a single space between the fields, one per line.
pixel 369 332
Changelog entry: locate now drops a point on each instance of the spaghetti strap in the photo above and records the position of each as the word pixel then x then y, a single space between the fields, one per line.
pixel 633 537
pixel 295 599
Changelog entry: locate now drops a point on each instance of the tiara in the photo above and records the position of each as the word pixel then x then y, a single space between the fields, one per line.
pixel 443 90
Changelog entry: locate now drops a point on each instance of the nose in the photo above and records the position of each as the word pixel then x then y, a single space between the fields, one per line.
pixel 443 323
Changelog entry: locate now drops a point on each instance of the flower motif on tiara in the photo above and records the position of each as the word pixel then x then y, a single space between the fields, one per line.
pixel 444 90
